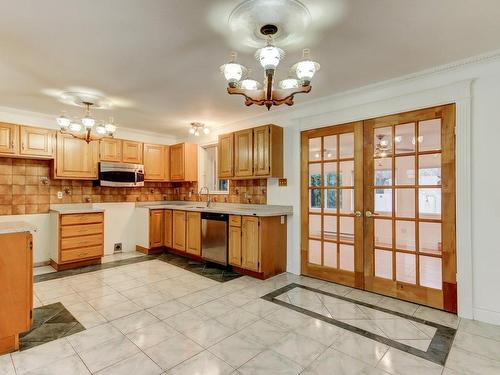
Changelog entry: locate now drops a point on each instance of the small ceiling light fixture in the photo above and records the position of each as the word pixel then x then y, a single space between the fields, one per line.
pixel 87 123
pixel 269 57
pixel 197 128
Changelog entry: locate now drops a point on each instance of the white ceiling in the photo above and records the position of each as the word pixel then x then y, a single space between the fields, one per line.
pixel 158 59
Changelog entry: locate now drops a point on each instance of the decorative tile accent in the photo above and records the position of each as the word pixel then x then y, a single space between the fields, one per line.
pixel 313 304
pixel 26 187
pixel 50 322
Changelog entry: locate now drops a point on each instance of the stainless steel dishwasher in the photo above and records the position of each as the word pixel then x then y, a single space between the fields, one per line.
pixel 214 237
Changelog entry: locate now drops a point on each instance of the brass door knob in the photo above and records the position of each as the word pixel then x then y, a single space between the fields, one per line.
pixel 357 213
pixel 368 214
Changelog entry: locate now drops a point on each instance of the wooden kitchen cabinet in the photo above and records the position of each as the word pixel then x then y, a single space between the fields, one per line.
pixel 258 246
pixel 154 162
pixel 193 233
pixel 184 162
pixel 235 240
pixel 225 154
pixel 9 138
pixel 37 142
pixel 16 288
pixel 268 151
pixel 77 240
pixel 179 230
pixel 243 153
pixel 167 163
pixel 167 234
pixel 131 152
pixel 76 159
pixel 110 149
pixel 156 228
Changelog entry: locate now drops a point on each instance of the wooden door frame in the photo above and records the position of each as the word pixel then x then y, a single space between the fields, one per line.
pixel 449 277
pixel 343 277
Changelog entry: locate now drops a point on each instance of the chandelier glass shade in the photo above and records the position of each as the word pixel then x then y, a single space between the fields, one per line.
pixel 87 129
pixel 269 57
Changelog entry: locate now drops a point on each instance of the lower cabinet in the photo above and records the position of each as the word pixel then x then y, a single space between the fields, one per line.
pixel 77 240
pixel 193 229
pixel 179 230
pixel 258 245
pixel 16 288
pixel 156 228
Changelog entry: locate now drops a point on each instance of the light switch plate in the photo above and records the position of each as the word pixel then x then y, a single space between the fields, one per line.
pixel 282 182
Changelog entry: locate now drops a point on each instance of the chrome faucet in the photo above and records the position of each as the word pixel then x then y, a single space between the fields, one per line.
pixel 209 199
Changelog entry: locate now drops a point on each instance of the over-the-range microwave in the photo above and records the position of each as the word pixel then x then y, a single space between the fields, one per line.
pixel 121 174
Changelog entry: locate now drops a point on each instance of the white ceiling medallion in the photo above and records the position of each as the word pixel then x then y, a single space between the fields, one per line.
pixel 86 128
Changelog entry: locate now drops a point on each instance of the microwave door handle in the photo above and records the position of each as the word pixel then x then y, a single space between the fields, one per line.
pixel 135 177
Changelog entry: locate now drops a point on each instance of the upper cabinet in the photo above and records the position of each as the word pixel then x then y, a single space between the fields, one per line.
pixel 110 149
pixel 252 153
pixel 118 150
pixel 131 152
pixel 76 159
pixel 154 162
pixel 37 141
pixel 226 152
pixel 9 138
pixel 184 162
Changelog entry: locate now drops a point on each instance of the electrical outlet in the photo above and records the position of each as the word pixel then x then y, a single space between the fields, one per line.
pixel 118 247
pixel 282 182
pixel 60 195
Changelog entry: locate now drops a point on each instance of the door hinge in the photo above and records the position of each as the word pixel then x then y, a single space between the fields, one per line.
pixel 31 314
pixel 31 245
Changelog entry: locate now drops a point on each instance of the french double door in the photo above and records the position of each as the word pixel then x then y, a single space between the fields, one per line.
pixel 378 205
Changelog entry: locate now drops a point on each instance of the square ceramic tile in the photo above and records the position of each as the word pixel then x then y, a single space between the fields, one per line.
pixel 204 363
pixel 270 363
pixel 362 348
pixel 334 362
pixel 299 349
pixel 135 321
pixel 237 349
pixel 137 364
pixel 71 365
pixel 464 363
pixel 264 332
pixel 400 363
pixel 171 352
pixel 6 365
pixel 168 309
pixel 96 336
pixel 209 333
pixel 108 353
pixel 237 319
pixel 119 310
pixel 151 335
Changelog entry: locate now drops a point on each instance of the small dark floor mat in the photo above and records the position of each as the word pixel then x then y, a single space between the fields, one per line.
pixel 50 322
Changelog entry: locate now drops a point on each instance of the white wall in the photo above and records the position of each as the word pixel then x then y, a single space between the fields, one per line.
pixel 399 95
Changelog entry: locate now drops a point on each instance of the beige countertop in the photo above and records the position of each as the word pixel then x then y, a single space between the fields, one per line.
pixel 75 208
pixel 16 227
pixel 223 208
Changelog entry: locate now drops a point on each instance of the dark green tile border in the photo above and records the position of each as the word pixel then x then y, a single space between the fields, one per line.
pixel 437 352
pixel 50 322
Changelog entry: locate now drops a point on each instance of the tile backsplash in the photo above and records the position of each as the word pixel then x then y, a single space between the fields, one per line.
pixel 27 188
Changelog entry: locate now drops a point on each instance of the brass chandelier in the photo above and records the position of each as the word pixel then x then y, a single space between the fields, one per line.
pixel 298 81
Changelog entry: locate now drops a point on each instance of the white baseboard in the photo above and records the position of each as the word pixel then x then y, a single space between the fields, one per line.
pixel 487 316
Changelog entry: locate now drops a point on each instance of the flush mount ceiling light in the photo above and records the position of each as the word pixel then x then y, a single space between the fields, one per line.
pixel 86 128
pixel 197 128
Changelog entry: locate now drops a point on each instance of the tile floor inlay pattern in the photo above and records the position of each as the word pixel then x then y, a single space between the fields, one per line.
pixel 409 334
pixel 50 322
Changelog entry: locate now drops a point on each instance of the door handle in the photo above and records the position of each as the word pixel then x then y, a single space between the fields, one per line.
pixel 370 214
pixel 357 213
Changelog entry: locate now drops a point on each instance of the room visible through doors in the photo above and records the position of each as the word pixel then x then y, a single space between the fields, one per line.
pixel 378 205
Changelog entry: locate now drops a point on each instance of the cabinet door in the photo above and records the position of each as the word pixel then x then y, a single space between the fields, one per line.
pixel 110 149
pixel 156 228
pixel 243 153
pixel 16 279
pixel 167 234
pixel 154 162
pixel 235 246
pixel 9 141
pixel 250 243
pixel 76 158
pixel 193 238
pixel 226 150
pixel 179 230
pixel 37 141
pixel 177 162
pixel 261 156
pixel 167 163
pixel 132 152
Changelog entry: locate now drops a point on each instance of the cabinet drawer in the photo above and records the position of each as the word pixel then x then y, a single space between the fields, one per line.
pixel 82 241
pixel 234 221
pixel 81 253
pixel 80 230
pixel 70 219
